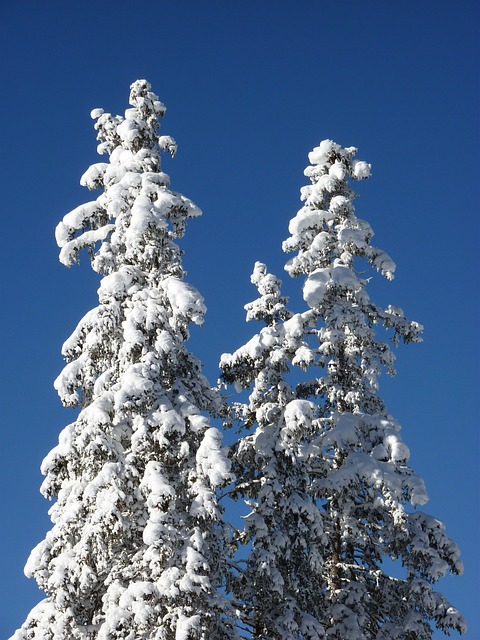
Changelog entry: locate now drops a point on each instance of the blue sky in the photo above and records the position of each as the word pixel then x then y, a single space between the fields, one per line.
pixel 250 88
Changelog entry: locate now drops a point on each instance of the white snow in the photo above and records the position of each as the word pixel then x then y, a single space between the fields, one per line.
pixel 211 459
pixel 315 287
pixel 361 169
pixel 186 626
pixel 344 277
pixel 321 153
pixel 96 113
pixel 338 170
pixel 307 219
pixel 185 299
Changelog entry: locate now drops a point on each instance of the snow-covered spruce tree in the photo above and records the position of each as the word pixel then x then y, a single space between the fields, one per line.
pixel 324 450
pixel 138 545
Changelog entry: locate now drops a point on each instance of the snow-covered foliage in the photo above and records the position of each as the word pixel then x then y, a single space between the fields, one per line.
pixel 138 544
pixel 333 501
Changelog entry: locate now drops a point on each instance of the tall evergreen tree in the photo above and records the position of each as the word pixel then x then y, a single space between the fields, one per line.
pixel 138 545
pixel 323 467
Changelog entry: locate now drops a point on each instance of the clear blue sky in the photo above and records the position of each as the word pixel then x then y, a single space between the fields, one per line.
pixel 250 88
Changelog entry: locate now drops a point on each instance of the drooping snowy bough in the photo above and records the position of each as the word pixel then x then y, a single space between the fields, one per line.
pixel 138 544
pixel 323 467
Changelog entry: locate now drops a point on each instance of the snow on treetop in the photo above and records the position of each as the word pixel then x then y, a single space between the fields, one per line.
pixel 144 99
pixel 321 154
pixel 330 159
pixel 136 209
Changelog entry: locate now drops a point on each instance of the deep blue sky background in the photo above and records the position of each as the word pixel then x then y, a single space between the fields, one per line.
pixel 250 88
